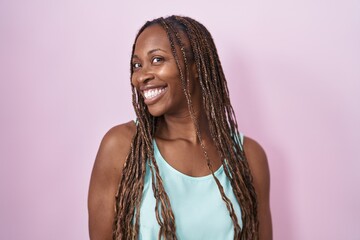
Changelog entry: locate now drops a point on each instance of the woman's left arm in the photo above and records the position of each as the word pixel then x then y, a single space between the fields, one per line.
pixel 261 179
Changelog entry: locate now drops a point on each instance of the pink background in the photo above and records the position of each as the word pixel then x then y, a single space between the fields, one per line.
pixel 294 75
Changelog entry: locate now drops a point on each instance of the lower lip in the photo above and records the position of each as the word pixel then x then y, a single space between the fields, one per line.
pixel 150 101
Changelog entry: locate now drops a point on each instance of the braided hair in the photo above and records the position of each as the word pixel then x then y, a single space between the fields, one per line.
pixel 223 129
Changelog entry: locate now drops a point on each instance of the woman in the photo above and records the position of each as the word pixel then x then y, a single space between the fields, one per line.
pixel 181 170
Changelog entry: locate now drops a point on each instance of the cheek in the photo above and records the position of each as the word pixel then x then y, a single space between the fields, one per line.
pixel 170 75
pixel 133 80
pixel 169 69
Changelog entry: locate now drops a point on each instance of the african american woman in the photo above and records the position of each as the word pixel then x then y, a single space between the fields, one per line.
pixel 181 169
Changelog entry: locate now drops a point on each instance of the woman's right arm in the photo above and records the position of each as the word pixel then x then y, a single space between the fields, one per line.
pixel 105 178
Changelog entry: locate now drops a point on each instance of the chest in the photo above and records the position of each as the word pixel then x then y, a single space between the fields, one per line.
pixel 189 159
pixel 199 210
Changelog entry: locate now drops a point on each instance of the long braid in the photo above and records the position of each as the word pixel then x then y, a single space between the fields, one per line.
pixel 128 198
pixel 237 167
pixel 192 113
pixel 228 203
pixel 224 132
pixel 242 180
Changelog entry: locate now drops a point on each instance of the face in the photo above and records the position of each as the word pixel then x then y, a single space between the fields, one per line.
pixel 155 73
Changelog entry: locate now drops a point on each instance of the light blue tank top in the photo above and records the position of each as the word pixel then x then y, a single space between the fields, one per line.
pixel 200 212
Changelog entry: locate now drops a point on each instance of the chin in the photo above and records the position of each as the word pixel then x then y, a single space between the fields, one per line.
pixel 155 111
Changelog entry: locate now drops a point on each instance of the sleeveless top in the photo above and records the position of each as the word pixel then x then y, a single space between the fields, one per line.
pixel 200 212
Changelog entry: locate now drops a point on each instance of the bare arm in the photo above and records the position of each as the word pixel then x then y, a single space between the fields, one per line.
pixel 105 178
pixel 261 179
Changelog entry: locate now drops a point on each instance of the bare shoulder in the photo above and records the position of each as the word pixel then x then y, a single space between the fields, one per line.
pixel 114 147
pixel 119 134
pixel 256 156
pixel 105 178
pixel 117 138
pixel 258 164
pixel 259 168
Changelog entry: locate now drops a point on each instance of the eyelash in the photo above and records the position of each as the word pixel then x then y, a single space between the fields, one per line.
pixel 134 65
pixel 137 65
pixel 160 59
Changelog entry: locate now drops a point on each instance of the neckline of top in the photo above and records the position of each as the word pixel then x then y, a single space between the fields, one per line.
pixel 158 155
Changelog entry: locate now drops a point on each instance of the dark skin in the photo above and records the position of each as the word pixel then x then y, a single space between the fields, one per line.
pixel 154 67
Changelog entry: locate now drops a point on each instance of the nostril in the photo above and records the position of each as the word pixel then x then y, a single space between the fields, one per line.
pixel 145 77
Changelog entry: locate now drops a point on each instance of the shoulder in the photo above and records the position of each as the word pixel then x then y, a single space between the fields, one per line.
pixel 118 136
pixel 254 152
pixel 258 165
pixel 115 145
pixel 105 178
pixel 259 168
pixel 119 133
pixel 112 154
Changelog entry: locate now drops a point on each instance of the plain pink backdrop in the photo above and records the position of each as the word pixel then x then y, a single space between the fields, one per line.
pixel 293 68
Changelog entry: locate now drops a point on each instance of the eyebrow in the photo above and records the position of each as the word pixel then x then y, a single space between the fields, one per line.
pixel 150 52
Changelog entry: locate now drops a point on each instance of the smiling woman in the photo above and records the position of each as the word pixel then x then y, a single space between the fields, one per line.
pixel 183 170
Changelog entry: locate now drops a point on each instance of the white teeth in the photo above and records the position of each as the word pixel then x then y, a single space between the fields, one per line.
pixel 151 93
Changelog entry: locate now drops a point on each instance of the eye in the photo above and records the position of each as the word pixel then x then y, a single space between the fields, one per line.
pixel 157 59
pixel 136 65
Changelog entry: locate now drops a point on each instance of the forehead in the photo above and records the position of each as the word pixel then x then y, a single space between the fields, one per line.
pixel 151 38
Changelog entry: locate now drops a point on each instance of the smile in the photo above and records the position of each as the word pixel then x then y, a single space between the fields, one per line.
pixel 154 92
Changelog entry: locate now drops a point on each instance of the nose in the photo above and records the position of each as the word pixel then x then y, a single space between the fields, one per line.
pixel 144 75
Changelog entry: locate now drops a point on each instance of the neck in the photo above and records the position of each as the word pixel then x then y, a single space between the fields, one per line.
pixel 175 127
